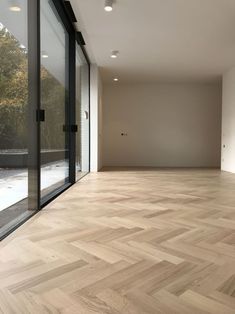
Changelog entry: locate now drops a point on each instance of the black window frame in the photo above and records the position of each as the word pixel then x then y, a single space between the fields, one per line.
pixel 36 203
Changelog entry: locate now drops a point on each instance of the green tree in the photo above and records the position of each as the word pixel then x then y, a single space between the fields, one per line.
pixel 14 98
pixel 13 92
pixel 13 60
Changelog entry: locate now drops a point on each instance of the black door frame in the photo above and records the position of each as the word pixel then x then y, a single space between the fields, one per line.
pixel 34 116
pixel 65 12
pixel 59 9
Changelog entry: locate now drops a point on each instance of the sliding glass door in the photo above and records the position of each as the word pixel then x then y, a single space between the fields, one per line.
pixel 44 107
pixel 54 100
pixel 14 105
pixel 82 114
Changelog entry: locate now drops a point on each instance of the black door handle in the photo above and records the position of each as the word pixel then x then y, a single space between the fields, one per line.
pixel 40 115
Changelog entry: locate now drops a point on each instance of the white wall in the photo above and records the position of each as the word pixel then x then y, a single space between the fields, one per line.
pixel 96 139
pixel 168 125
pixel 228 122
pixel 100 124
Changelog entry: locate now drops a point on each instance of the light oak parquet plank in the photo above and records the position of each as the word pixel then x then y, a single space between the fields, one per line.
pixel 129 241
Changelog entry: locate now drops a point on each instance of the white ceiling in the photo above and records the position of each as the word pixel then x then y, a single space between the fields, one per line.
pixel 160 40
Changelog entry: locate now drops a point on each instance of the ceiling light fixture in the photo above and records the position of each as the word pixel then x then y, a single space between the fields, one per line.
pixel 44 55
pixel 108 5
pixel 115 79
pixel 15 8
pixel 114 54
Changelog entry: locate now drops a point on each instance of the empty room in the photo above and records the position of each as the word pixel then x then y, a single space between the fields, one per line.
pixel 117 156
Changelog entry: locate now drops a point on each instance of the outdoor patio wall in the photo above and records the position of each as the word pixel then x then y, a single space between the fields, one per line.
pixel 164 125
pixel 9 159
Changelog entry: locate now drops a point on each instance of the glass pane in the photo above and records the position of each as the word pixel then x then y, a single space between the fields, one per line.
pixel 82 114
pixel 13 112
pixel 54 100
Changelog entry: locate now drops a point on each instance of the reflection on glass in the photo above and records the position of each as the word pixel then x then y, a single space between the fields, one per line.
pixel 82 114
pixel 13 112
pixel 54 100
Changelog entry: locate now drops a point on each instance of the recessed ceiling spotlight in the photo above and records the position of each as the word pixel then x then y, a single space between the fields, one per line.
pixel 15 8
pixel 108 6
pixel 115 79
pixel 44 55
pixel 114 54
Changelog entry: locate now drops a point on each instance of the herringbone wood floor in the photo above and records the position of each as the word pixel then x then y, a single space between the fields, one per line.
pixel 132 242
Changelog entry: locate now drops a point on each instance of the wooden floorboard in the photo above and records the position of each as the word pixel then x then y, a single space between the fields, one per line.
pixel 129 241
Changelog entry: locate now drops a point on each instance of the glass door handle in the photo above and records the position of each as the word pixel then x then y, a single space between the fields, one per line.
pixel 86 115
